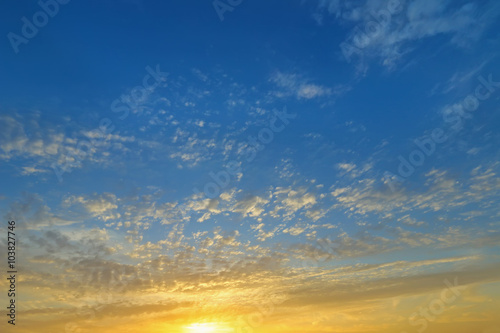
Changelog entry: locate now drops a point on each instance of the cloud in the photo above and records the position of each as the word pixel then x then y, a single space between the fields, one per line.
pixel 100 206
pixel 462 23
pixel 441 190
pixel 294 85
pixel 353 170
pixel 32 211
pixel 220 269
pixel 251 206
pixel 32 170
pixel 458 79
pixel 24 141
pixel 191 150
pixel 289 201
pixel 40 145
pixel 309 91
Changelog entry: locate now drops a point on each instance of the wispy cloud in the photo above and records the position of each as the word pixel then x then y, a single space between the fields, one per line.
pixel 294 85
pixel 387 37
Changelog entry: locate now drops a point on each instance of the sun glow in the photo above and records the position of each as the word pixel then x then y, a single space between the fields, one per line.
pixel 206 328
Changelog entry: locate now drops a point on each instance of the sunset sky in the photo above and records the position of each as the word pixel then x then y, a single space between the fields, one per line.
pixel 251 166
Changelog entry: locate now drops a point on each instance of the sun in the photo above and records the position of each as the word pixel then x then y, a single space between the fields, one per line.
pixel 205 328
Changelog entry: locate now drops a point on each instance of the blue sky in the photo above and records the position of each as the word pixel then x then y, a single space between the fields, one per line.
pixel 80 173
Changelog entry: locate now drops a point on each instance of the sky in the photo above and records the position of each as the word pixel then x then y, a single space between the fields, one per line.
pixel 251 166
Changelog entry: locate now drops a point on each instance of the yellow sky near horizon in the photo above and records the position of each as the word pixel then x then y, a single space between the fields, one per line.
pixel 350 299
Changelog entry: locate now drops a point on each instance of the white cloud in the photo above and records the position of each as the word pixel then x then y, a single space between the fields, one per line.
pixel 101 206
pixel 294 85
pixel 289 201
pixel 32 170
pixel 463 24
pixel 191 150
pixel 251 206
pixel 46 148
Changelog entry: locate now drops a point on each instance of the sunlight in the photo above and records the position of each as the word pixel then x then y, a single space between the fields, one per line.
pixel 202 328
pixel 206 328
